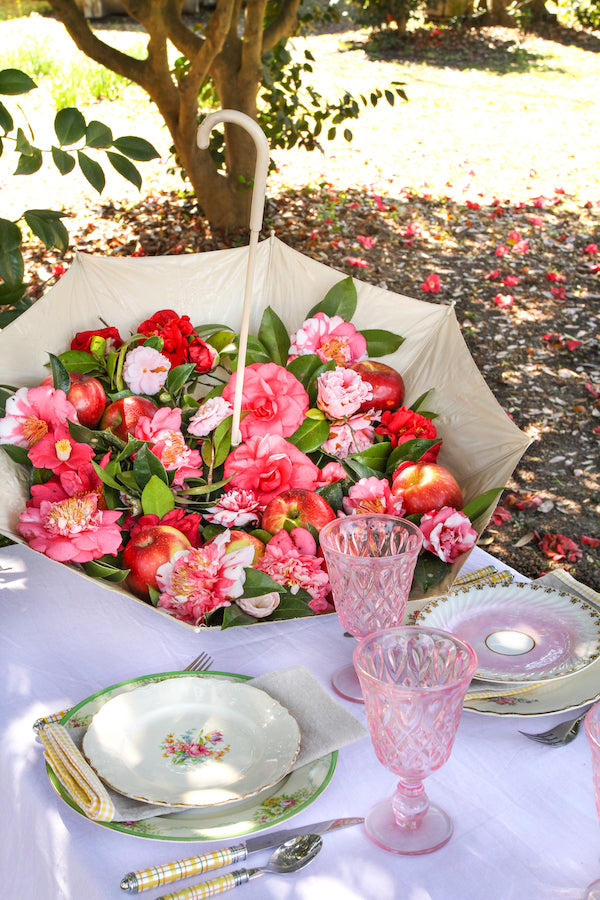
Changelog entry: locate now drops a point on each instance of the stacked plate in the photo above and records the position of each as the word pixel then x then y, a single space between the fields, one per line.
pixel 543 645
pixel 214 750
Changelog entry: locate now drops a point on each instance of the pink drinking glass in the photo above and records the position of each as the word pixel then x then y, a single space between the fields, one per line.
pixel 414 680
pixel 592 730
pixel 371 560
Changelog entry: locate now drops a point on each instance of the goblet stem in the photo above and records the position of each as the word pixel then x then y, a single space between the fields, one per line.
pixel 410 804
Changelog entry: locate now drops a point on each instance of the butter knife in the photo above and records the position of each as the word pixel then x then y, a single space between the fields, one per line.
pixel 135 882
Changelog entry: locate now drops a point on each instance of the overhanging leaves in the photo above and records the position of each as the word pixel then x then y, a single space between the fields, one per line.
pixel 340 300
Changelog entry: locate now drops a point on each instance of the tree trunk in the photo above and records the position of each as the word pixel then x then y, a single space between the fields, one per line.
pixel 498 14
pixel 234 63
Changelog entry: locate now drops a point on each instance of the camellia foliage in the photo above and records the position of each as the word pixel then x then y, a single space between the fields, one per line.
pixel 74 139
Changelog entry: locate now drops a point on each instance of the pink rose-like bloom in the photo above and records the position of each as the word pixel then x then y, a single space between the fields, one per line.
pixel 331 472
pixel 330 338
pixel 59 452
pixel 373 495
pixel 68 529
pixel 341 392
pixel 447 533
pixel 274 401
pixel 351 437
pixel 235 507
pixel 196 581
pixel 269 465
pixel 432 284
pixel 163 432
pixel 259 607
pixel 145 370
pixel 33 412
pixel 286 565
pixel 208 415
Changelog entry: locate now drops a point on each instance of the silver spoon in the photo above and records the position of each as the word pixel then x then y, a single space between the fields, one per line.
pixel 289 857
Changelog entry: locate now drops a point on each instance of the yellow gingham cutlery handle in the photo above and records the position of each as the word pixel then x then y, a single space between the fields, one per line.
pixel 210 888
pixel 145 879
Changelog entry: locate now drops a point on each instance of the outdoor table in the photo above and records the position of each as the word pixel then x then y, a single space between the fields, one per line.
pixel 524 814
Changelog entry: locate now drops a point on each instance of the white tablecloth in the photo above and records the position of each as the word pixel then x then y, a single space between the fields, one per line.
pixel 524 814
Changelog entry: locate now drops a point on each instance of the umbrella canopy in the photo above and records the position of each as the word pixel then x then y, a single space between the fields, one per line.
pixel 481 446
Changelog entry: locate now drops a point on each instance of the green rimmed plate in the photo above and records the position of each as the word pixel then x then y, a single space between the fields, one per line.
pixel 296 791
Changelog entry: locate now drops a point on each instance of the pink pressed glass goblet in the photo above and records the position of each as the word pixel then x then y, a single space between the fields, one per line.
pixel 592 730
pixel 371 560
pixel 414 680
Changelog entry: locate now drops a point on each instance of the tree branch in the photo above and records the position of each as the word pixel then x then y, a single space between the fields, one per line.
pixel 283 25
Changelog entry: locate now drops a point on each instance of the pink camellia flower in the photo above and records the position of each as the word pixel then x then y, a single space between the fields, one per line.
pixel 504 300
pixel 331 472
pixel 447 533
pixel 287 565
pixel 268 466
pixel 346 438
pixel 259 607
pixel 196 581
pixel 357 261
pixel 432 284
pixel 145 370
pixel 60 452
pixel 521 247
pixel 373 495
pixel 367 242
pixel 163 432
pixel 330 338
pixel 273 399
pixel 341 392
pixel 33 412
pixel 208 415
pixel 511 280
pixel 514 237
pixel 501 250
pixel 234 508
pixel 68 529
pixel 591 249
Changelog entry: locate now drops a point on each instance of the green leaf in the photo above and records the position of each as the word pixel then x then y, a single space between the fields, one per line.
pixel 10 235
pixel 381 342
pixel 69 125
pixel 98 568
pixel 178 376
pixel 429 571
pixel 12 296
pixel 79 361
pixel 222 441
pixel 46 225
pixel 125 168
pixel 255 352
pixel 92 171
pixel 12 266
pixel 13 81
pixel 311 434
pixel 157 498
pixel 22 144
pixel 304 368
pixel 17 454
pixel 409 451
pixel 136 148
pixel 220 340
pixel 106 475
pixel 259 583
pixel 147 465
pixel 6 120
pixel 334 494
pixel 60 376
pixel 479 505
pixel 375 456
pixel 273 335
pixel 340 300
pixel 29 163
pixel 232 615
pixel 63 161
pixel 291 606
pixel 416 406
pixel 98 135
pixel 358 469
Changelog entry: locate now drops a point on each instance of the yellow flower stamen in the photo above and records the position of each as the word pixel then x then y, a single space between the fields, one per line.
pixel 73 515
pixel 34 430
pixel 63 449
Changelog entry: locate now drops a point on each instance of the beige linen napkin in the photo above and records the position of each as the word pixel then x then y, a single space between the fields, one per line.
pixel 325 725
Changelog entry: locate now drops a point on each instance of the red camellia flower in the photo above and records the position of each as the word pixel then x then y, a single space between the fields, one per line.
pixel 431 284
pixel 82 339
pixel 406 425
pixel 558 546
pixel 202 354
pixel 525 500
pixel 174 330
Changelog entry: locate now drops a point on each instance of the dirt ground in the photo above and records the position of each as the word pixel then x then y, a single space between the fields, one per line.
pixel 438 201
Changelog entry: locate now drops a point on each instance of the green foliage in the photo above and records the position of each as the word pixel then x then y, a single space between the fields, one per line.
pixel 73 134
pixel 383 13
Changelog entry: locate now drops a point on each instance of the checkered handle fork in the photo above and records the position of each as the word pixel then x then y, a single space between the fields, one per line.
pixel 211 888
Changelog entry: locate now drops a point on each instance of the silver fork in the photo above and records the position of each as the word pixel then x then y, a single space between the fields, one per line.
pixel 560 734
pixel 201 663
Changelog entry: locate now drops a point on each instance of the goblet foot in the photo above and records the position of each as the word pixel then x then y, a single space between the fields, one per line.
pixel 345 683
pixel 434 830
pixel 593 891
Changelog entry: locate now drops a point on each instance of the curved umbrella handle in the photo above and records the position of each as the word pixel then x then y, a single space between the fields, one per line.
pixel 256 217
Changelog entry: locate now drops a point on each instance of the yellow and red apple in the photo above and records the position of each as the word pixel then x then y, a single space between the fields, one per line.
pixel 87 396
pixel 146 552
pixel 425 487
pixel 296 508
pixel 121 416
pixel 386 383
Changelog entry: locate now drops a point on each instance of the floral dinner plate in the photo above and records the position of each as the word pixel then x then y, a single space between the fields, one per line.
pixel 297 790
pixel 520 632
pixel 192 742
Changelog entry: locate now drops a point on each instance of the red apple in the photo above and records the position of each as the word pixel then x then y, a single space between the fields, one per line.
pixel 145 554
pixel 296 508
pixel 238 539
pixel 87 396
pixel 121 416
pixel 425 487
pixel 387 384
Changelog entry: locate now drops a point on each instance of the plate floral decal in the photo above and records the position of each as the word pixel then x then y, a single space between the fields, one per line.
pixel 192 748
